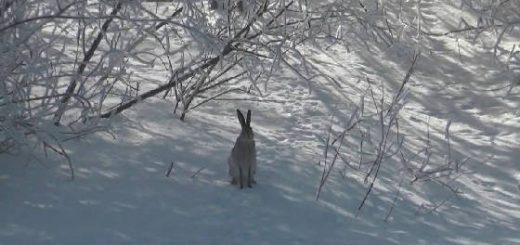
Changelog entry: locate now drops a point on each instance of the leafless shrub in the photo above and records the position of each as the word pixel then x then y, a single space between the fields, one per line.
pixel 386 144
pixel 77 62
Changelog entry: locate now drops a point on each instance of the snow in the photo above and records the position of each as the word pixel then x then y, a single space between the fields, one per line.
pixel 120 194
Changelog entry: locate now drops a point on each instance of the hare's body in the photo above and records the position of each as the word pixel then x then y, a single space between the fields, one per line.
pixel 242 160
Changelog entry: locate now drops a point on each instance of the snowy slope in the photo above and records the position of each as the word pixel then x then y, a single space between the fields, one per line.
pixel 121 195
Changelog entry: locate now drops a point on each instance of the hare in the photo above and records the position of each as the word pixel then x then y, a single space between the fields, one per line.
pixel 242 160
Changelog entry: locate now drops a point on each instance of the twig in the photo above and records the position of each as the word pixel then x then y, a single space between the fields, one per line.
pixel 198 171
pixel 214 97
pixel 470 28
pixel 228 48
pixel 325 152
pixel 397 194
pixel 88 55
pixel 33 99
pixel 53 16
pixel 434 208
pixel 385 131
pixel 169 170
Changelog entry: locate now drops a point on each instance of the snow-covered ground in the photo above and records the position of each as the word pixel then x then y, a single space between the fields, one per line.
pixel 121 195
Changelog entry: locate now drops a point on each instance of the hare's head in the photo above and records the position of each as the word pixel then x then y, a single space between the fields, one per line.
pixel 246 124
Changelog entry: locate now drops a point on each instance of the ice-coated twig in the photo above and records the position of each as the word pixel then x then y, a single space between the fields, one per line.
pixel 88 55
pixel 394 201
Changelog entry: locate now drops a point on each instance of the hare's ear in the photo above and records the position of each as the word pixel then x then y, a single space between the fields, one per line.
pixel 241 119
pixel 248 119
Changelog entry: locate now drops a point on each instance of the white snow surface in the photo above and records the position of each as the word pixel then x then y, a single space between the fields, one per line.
pixel 121 195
